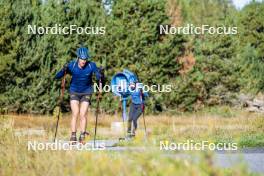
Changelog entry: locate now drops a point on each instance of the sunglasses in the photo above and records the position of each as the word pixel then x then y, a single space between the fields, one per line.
pixel 83 59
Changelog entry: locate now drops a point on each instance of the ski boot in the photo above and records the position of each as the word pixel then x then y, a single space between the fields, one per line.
pixel 73 139
pixel 82 137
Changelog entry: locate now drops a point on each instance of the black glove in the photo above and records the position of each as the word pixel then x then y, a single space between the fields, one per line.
pixel 65 67
pixel 101 71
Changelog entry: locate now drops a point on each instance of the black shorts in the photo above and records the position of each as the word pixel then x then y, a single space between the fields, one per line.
pixel 81 97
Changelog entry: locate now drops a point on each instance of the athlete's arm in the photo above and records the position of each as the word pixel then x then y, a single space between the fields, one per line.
pixel 62 71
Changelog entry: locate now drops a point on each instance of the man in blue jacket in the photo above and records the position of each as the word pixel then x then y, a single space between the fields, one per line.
pixel 81 89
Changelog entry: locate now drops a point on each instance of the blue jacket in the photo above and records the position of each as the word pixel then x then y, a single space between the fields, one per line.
pixel 138 96
pixel 81 81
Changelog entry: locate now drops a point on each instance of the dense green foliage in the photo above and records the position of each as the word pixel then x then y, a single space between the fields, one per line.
pixel 225 64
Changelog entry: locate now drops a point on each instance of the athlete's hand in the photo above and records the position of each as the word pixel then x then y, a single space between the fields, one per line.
pixel 65 67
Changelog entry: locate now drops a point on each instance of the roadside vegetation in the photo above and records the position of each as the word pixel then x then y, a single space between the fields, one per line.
pixel 211 124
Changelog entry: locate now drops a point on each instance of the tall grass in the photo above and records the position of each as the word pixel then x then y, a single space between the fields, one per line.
pixel 15 159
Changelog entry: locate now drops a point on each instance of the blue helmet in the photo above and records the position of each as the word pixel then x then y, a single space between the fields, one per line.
pixel 83 53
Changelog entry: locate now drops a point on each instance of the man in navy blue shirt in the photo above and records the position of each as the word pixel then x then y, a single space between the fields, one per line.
pixel 81 89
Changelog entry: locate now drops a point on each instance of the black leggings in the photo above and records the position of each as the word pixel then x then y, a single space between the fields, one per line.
pixel 134 114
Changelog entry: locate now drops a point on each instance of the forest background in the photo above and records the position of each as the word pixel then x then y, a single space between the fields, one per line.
pixel 204 70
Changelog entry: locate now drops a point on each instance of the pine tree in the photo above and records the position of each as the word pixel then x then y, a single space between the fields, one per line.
pixel 133 41
pixel 251 50
pixel 37 58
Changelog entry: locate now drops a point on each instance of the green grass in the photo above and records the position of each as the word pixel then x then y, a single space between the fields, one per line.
pixel 17 160
pixel 252 140
pixel 244 128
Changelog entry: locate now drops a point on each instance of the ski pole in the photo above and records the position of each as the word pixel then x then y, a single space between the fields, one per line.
pixel 124 114
pixel 60 104
pixel 144 121
pixel 143 111
pixel 97 110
